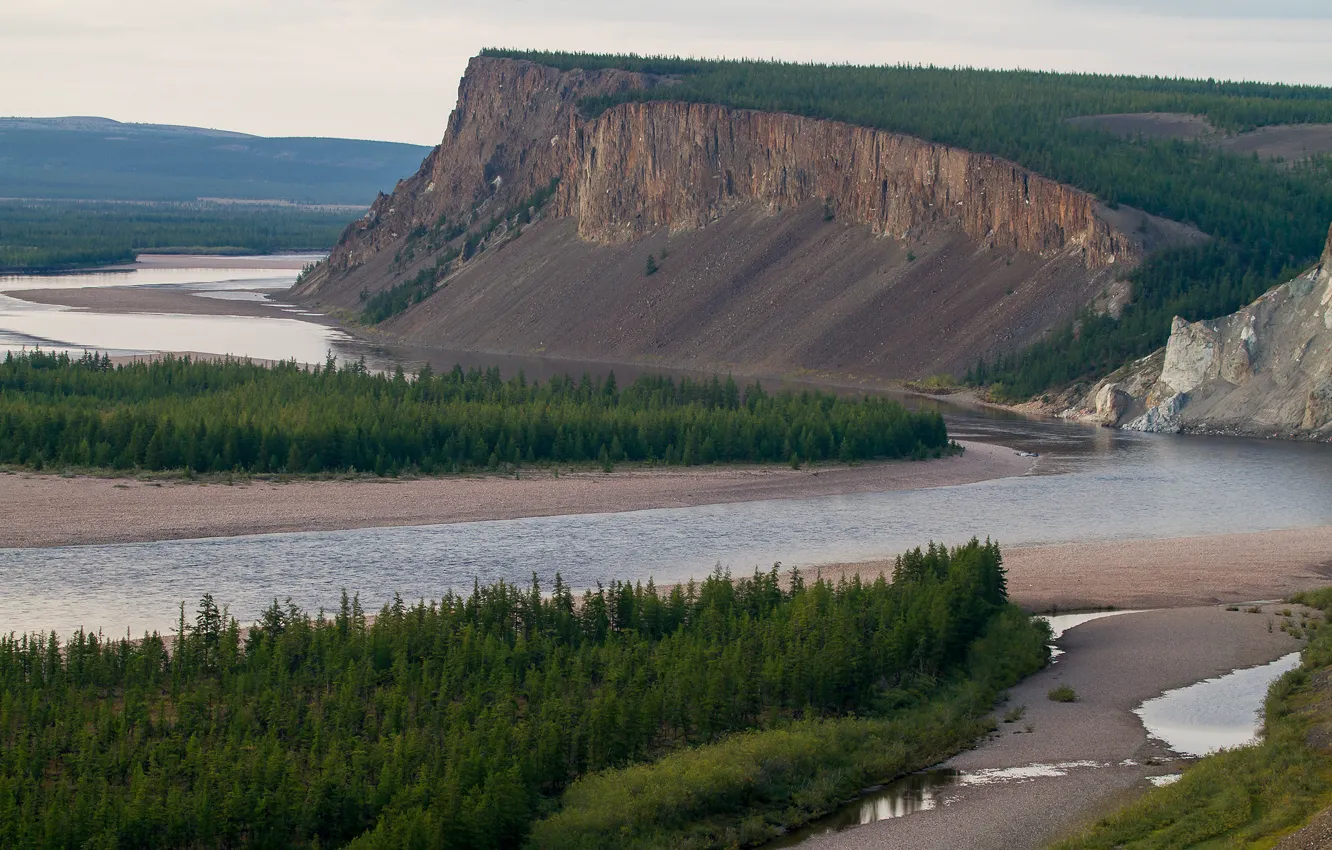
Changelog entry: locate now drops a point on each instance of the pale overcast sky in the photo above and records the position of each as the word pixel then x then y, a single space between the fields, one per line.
pixel 389 69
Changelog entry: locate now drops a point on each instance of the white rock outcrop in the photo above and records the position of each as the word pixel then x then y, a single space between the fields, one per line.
pixel 1266 369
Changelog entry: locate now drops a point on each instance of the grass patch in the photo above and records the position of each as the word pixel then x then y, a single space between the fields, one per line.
pixel 1063 693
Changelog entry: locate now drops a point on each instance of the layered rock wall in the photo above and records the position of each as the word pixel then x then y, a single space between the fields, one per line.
pixel 642 166
pixel 639 167
pixel 502 143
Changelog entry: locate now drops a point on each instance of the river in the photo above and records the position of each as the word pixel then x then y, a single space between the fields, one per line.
pixel 1089 485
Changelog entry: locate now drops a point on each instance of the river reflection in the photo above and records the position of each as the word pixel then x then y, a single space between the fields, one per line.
pixel 916 792
pixel 26 325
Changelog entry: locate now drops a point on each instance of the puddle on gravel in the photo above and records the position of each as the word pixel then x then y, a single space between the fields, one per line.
pixel 1215 713
pixel 920 792
pixel 995 775
pixel 917 792
pixel 1060 623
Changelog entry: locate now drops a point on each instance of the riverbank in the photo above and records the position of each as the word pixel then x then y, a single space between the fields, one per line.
pixel 60 511
pixel 146 299
pixel 1017 795
pixel 1164 573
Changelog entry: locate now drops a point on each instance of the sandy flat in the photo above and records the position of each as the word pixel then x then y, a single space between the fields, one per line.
pixel 1158 573
pixel 1114 665
pixel 214 261
pixel 150 299
pixel 48 510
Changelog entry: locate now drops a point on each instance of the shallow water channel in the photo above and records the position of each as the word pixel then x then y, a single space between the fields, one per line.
pixel 27 325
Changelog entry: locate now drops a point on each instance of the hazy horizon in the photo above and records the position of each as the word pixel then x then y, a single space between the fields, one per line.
pixel 389 69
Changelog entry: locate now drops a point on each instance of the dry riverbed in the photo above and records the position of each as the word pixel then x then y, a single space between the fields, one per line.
pixel 1097 746
pixel 167 300
pixel 50 510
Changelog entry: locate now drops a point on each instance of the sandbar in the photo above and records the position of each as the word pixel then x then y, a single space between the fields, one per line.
pixel 53 510
pixel 163 299
pixel 1161 573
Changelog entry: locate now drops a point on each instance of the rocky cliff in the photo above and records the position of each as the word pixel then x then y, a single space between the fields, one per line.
pixel 640 172
pixel 643 166
pixel 639 167
pixel 1265 370
pixel 503 141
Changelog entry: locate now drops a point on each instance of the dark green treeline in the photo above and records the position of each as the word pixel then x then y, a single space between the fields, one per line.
pixel 457 723
pixel 213 416
pixel 1268 219
pixel 42 235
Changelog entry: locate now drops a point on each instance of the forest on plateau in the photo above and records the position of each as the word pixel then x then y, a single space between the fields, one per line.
pixel 709 715
pixel 1268 220
pixel 175 413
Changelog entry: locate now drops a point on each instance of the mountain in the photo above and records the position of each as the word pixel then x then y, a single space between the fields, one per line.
pixel 859 223
pixel 100 159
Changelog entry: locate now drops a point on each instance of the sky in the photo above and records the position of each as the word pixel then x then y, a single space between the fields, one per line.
pixel 389 69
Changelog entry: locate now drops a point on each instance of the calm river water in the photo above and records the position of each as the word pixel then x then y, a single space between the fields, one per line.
pixel 1090 484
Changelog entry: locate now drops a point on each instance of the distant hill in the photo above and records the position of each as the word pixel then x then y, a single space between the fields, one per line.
pixel 100 159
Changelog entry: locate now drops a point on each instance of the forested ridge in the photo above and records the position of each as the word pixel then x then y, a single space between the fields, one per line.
pixel 175 413
pixel 1268 221
pixel 36 236
pixel 459 723
pixel 99 159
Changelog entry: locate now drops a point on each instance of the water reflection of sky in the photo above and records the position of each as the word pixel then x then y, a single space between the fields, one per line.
pixel 1215 714
pixel 25 325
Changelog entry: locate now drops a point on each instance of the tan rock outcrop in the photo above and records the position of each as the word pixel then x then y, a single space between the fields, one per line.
pixel 1112 401
pixel 505 139
pixel 643 166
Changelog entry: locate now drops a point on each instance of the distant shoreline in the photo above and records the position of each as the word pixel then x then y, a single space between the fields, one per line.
pixel 220 257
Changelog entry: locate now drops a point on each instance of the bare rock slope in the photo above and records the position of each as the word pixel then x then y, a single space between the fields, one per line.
pixel 793 243
pixel 1265 370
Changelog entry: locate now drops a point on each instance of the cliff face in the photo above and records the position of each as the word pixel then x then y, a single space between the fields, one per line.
pixel 502 142
pixel 1266 369
pixel 639 167
pixel 643 166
